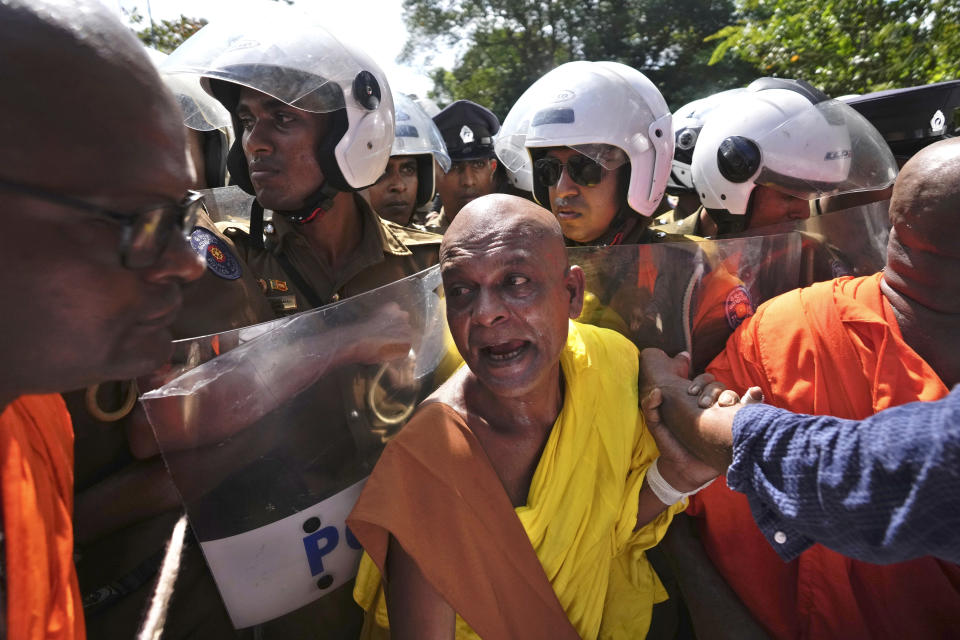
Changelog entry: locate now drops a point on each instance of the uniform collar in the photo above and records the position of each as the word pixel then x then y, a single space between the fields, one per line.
pixel 377 232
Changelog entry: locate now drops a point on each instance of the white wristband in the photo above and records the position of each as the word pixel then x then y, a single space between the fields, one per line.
pixel 665 492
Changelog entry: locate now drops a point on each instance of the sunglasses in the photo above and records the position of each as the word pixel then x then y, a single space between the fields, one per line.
pixel 146 232
pixel 581 169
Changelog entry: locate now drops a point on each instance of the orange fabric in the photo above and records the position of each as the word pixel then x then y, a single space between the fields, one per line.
pixel 36 471
pixel 833 348
pixel 478 547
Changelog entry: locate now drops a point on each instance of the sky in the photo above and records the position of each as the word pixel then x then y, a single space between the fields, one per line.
pixel 376 25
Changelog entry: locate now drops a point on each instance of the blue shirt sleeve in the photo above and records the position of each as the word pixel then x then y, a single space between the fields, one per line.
pixel 885 489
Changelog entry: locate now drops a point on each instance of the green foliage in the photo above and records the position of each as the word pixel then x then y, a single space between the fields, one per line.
pixel 506 45
pixel 165 35
pixel 846 46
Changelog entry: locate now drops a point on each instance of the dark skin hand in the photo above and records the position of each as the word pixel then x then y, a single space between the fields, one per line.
pixel 697 416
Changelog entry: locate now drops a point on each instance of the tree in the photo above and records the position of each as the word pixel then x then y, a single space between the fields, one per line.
pixel 165 35
pixel 507 44
pixel 847 46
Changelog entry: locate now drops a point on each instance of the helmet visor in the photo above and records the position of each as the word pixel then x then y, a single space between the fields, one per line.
pixel 828 150
pixel 416 134
pixel 280 52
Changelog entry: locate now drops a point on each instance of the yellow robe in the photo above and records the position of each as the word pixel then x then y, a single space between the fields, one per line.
pixel 581 509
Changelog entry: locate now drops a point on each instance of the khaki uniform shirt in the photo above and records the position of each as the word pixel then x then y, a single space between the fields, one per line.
pixel 689 226
pixel 387 252
pixel 436 222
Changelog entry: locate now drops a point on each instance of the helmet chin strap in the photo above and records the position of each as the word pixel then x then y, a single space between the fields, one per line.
pixel 614 233
pixel 728 223
pixel 318 204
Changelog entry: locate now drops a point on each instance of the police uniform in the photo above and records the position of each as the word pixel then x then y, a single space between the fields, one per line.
pixel 689 226
pixel 467 129
pixel 436 222
pixel 294 278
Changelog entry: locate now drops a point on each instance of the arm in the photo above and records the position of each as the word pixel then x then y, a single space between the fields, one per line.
pixel 881 489
pixel 414 607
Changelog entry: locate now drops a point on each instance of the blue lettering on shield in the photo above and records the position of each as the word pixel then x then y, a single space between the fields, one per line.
pixel 315 550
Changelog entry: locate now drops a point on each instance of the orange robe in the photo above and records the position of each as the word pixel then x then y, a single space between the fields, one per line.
pixel 833 348
pixel 36 471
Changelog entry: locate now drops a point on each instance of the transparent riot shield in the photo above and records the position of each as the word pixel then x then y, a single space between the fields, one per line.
pixel 685 296
pixel 847 242
pixel 229 205
pixel 269 432
pixel 850 242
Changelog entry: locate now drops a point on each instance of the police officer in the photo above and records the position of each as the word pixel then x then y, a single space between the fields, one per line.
pixel 467 129
pixel 314 121
pixel 766 153
pixel 409 183
pixel 593 141
pixel 688 120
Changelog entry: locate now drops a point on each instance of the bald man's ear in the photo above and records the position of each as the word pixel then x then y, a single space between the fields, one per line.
pixel 575 282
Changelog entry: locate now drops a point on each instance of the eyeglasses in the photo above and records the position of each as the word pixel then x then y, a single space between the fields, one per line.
pixel 581 169
pixel 146 232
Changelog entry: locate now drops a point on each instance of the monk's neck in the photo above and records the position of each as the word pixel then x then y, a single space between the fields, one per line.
pixel 934 334
pixel 513 431
pixel 337 232
pixel 531 413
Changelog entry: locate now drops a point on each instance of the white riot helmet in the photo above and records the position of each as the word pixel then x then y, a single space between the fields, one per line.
pixel 688 120
pixel 202 113
pixel 290 56
pixel 415 134
pixel 585 106
pixel 789 136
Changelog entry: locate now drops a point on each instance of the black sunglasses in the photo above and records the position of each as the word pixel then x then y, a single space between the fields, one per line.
pixel 581 169
pixel 146 231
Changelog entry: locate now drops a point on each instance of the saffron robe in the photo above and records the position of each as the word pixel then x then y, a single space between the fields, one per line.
pixel 568 563
pixel 36 471
pixel 830 349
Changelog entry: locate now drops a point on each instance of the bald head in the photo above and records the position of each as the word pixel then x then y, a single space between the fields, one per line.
pixel 923 255
pixel 79 93
pixel 495 217
pixel 925 206
pixel 510 293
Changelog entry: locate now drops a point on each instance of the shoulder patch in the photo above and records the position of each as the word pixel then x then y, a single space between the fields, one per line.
pixel 738 306
pixel 217 254
pixel 410 236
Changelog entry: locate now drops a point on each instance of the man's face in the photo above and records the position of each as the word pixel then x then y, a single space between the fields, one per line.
pixel 394 196
pixel 280 145
pixel 508 303
pixel 584 213
pixel 75 315
pixel 466 181
pixel 768 206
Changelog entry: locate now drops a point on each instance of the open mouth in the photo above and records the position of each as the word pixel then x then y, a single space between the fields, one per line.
pixel 567 214
pixel 505 352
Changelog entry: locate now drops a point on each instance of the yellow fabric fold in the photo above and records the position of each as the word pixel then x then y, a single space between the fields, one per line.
pixel 582 505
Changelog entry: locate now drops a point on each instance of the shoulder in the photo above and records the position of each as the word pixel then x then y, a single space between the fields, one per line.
pixel 411 237
pixel 436 431
pixel 678 226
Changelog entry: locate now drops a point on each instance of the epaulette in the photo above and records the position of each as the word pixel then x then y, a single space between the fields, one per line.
pixel 659 235
pixel 231 228
pixel 412 237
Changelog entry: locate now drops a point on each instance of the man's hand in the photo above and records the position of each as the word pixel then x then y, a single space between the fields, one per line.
pixel 658 369
pixel 678 466
pixel 697 415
